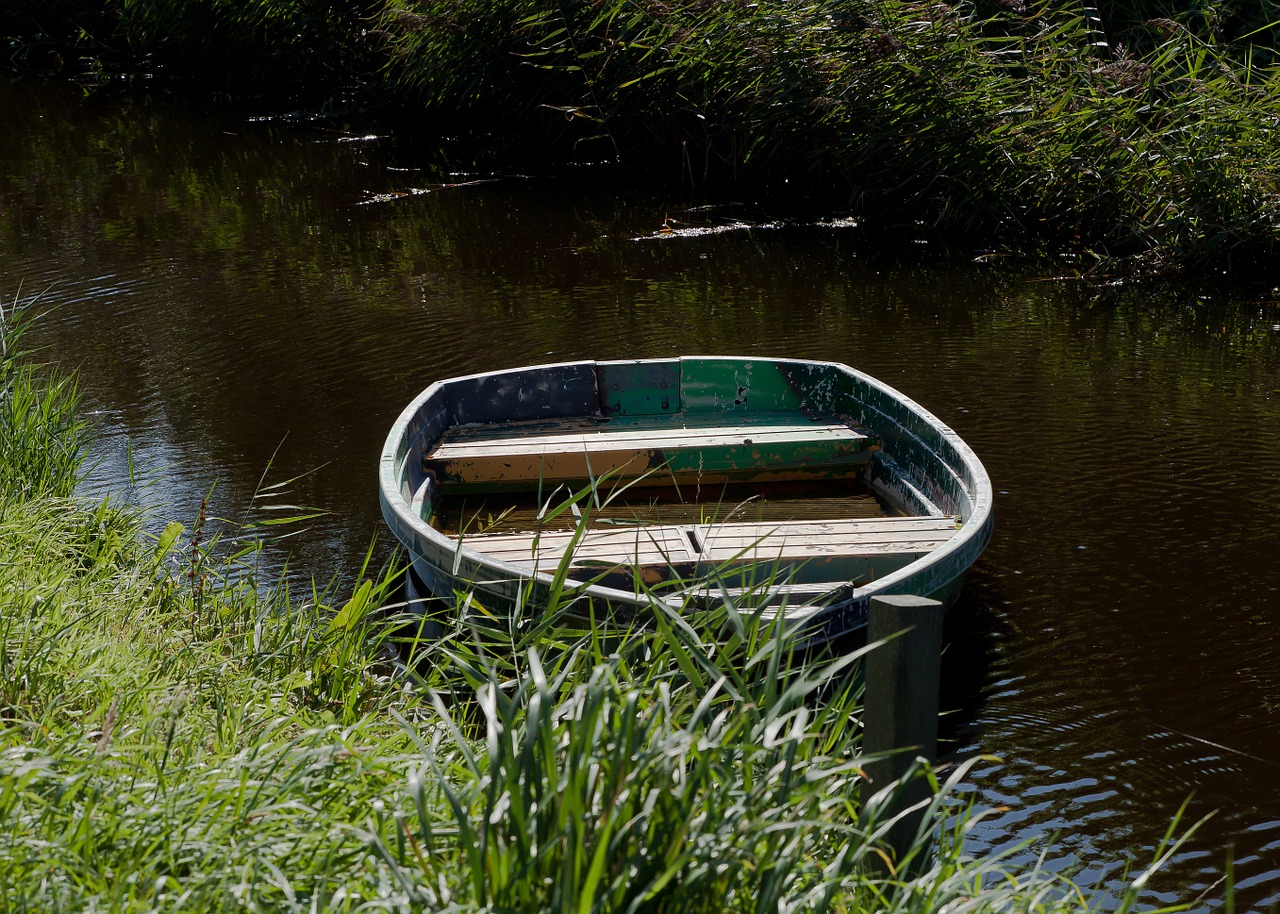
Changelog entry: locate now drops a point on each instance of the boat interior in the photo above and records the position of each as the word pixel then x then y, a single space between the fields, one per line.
pixel 786 497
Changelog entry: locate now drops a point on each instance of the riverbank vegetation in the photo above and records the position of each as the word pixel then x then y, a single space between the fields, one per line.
pixel 1134 137
pixel 177 734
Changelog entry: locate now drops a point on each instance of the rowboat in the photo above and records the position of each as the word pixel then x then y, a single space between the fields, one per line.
pixel 786 487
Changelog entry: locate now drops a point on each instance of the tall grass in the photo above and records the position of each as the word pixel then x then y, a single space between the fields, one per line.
pixel 41 438
pixel 175 736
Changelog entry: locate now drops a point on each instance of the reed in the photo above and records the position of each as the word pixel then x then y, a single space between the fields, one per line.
pixel 42 440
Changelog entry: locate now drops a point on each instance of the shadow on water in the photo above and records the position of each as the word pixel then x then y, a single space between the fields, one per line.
pixel 234 290
pixel 969 639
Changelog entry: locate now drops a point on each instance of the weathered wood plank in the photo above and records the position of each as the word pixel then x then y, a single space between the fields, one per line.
pixel 602 437
pixel 637 545
pixel 852 548
pixel 799 540
pixel 676 449
pixel 901 717
pixel 521 429
pixel 855 528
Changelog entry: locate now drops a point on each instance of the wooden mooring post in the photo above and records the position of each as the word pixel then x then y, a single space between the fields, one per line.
pixel 900 718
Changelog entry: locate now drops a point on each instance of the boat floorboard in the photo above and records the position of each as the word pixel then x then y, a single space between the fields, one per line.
pixel 834 550
pixel 666 449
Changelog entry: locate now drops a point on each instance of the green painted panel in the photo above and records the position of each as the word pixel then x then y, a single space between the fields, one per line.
pixel 823 388
pixel 728 384
pixel 639 388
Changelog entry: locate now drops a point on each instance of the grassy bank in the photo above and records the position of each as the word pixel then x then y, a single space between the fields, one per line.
pixel 1129 138
pixel 174 735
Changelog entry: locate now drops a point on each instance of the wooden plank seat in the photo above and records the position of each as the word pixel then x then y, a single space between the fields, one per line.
pixel 671 449
pixel 851 550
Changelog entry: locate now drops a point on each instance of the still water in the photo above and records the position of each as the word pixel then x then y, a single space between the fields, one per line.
pixel 239 293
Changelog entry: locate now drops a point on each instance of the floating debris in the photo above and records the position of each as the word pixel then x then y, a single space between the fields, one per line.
pixel 669 230
pixel 672 228
pixel 392 196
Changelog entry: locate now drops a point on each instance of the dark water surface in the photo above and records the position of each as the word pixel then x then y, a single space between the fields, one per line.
pixel 232 288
